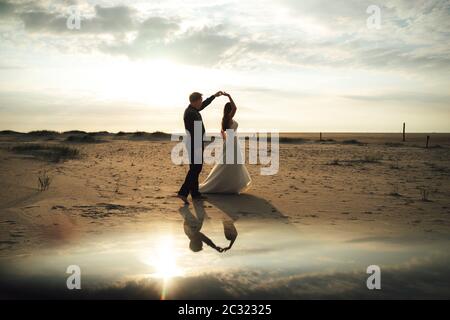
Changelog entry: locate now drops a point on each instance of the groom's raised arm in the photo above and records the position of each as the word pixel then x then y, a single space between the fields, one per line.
pixel 210 99
pixel 207 102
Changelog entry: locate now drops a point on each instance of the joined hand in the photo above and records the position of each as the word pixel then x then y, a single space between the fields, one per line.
pixel 221 93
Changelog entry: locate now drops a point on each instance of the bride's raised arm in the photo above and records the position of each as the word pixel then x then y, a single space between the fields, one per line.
pixel 233 105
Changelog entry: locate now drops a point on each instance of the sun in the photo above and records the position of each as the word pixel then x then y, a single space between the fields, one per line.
pixel 163 259
pixel 166 265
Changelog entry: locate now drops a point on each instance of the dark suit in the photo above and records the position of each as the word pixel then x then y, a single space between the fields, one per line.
pixel 191 115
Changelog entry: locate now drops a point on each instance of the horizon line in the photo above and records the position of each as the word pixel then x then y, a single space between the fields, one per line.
pixel 243 131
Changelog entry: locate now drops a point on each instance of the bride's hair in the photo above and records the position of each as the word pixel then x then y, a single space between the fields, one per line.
pixel 226 116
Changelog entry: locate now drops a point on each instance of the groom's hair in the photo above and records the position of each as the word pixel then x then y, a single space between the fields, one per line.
pixel 195 96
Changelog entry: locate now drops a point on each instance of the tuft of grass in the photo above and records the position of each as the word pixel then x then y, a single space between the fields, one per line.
pixel 99 133
pixel 52 153
pixel 43 133
pixel 143 135
pixel 395 192
pixel 425 194
pixel 370 159
pixel 366 159
pixel 351 141
pixel 82 139
pixel 161 135
pixel 158 135
pixel 10 132
pixel 291 140
pixel 325 141
pixel 75 132
pixel 43 181
pixel 393 144
pixel 334 162
pixel 140 134
pixel 395 165
pixel 440 169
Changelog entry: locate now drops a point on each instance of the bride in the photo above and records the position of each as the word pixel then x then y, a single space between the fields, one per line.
pixel 227 178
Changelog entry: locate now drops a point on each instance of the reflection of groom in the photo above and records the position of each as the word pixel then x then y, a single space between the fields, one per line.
pixel 191 115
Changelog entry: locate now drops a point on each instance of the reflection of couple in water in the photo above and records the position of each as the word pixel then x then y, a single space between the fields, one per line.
pixel 193 225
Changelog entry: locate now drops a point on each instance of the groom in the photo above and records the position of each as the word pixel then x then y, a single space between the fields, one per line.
pixel 192 114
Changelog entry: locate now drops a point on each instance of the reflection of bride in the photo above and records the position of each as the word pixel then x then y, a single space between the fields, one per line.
pixel 230 232
pixel 224 177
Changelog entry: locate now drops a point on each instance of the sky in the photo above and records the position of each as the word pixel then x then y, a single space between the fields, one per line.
pixel 290 65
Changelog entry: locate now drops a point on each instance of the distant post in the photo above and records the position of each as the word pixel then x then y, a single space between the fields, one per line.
pixel 428 140
pixel 404 124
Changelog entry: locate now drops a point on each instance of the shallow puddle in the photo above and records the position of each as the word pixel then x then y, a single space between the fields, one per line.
pixel 269 258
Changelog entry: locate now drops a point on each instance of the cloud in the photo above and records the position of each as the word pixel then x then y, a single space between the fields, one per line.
pixel 106 20
pixel 137 38
pixel 331 12
pixel 156 27
pixel 42 21
pixel 10 67
pixel 421 278
pixel 156 39
pixel 406 97
pixel 111 20
pixel 315 33
pixel 6 9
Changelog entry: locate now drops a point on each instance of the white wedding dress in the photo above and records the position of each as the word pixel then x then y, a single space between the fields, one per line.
pixel 227 178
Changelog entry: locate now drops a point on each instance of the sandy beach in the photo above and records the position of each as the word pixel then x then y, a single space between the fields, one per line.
pixel 370 182
pixel 346 187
